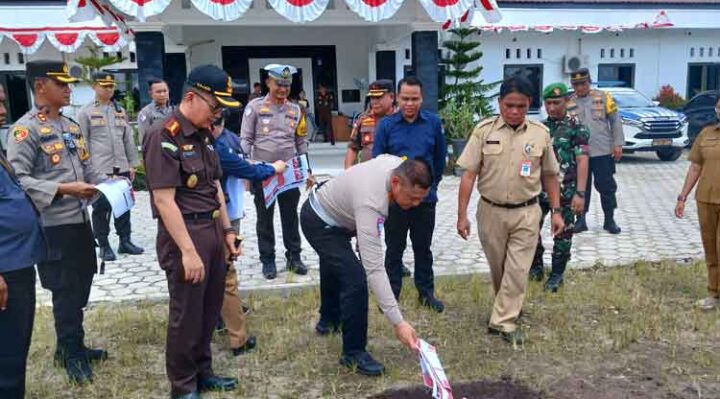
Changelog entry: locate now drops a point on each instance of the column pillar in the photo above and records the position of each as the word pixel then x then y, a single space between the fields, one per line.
pixel 150 55
pixel 425 66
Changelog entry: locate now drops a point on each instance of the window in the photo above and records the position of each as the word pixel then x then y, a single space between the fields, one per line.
pixel 21 58
pixel 517 53
pixel 534 73
pixel 702 77
pixel 710 52
pixel 612 53
pixel 529 53
pixel 507 53
pixel 632 52
pixel 622 53
pixel 692 51
pixel 616 75
pixel 539 53
pixel 602 53
pixel 702 51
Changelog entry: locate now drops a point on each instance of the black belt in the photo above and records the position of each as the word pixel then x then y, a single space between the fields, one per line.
pixel 202 215
pixel 531 201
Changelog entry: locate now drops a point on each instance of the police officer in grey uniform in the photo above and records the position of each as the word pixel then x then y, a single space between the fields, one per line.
pixel 597 110
pixel 52 162
pixel 270 133
pixel 157 110
pixel 111 142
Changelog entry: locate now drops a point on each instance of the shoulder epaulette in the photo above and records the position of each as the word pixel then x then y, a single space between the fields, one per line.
pixel 172 126
pixel 538 124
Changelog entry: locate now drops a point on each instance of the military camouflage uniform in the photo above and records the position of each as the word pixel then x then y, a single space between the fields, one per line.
pixel 570 139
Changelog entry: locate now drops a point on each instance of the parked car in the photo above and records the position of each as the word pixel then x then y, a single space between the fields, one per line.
pixel 649 127
pixel 700 111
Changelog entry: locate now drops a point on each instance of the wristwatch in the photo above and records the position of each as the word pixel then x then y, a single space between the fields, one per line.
pixel 682 198
pixel 580 194
pixel 556 210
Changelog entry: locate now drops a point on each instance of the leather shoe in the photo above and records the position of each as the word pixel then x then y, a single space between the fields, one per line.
pixel 580 225
pixel 217 383
pixel 362 363
pixel 296 265
pixel 326 327
pixel 512 337
pixel 432 302
pixel 191 395
pixel 250 344
pixel 536 273
pixel 269 270
pixel 78 370
pixel 554 282
pixel 106 253
pixel 93 355
pixel 406 272
pixel 127 247
pixel 611 227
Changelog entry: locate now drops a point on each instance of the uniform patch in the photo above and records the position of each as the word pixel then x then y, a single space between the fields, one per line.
pixel 55 159
pixel 59 146
pixel 173 126
pixel 265 110
pixel 51 137
pixel 610 106
pixel 188 147
pixel 74 129
pixel 266 129
pixel 41 117
pixel 265 121
pixel 169 146
pixel 20 133
pixel 192 181
pixel 45 130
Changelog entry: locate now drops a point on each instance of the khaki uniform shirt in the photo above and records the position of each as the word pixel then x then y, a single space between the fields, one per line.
pixel 598 112
pixel 497 153
pixel 45 153
pixel 178 155
pixel 109 137
pixel 150 114
pixel 358 201
pixel 706 153
pixel 363 134
pixel 269 131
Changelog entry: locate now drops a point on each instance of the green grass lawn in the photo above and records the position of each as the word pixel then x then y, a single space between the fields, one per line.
pixel 624 332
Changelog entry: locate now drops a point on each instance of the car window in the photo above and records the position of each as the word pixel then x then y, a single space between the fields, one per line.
pixel 631 99
pixel 701 101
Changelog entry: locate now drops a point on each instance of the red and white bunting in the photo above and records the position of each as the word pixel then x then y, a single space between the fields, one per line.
pixel 443 11
pixel 591 29
pixel 67 42
pixel 374 10
pixel 29 42
pixel 80 11
pixel 88 10
pixel 223 10
pixel 300 11
pixel 141 9
pixel 662 21
pixel 109 41
pixel 489 11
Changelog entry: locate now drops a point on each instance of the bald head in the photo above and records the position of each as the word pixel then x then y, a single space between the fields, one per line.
pixel 410 183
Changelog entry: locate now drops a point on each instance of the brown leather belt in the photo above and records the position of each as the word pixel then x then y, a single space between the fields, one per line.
pixel 202 215
pixel 529 202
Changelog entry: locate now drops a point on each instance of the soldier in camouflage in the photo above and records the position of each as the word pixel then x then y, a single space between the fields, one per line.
pixel 570 142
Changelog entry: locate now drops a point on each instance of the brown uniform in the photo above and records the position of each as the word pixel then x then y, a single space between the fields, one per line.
pixel 509 164
pixel 363 135
pixel 706 153
pixel 179 156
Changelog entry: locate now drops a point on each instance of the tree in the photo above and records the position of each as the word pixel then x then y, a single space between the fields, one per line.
pixel 463 86
pixel 95 62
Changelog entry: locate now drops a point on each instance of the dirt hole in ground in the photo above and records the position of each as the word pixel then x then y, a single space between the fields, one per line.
pixel 470 390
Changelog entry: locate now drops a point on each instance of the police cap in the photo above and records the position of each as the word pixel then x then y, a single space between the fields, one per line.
pixel 215 81
pixel 55 70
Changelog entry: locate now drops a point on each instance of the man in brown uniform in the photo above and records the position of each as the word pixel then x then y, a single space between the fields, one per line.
pixel 183 173
pixel 512 157
pixel 382 97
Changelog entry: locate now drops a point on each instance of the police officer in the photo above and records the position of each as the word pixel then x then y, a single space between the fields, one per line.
pixel 111 143
pixel 704 171
pixel 324 102
pixel 570 143
pixel 157 110
pixel 21 246
pixel 413 132
pixel 356 203
pixel 183 173
pixel 51 158
pixel 510 156
pixel 382 99
pixel 598 112
pixel 270 133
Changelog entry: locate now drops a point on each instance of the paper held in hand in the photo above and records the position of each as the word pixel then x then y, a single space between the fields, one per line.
pixel 119 194
pixel 294 176
pixel 432 372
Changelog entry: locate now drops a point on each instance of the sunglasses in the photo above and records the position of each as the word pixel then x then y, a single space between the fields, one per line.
pixel 214 108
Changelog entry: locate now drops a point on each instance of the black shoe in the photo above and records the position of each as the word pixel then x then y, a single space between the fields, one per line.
pixel 296 265
pixel 610 226
pixel 514 337
pixel 269 270
pixel 536 273
pixel 127 247
pixel 92 355
pixel 432 302
pixel 216 383
pixel 106 253
pixel 250 344
pixel 580 225
pixel 325 327
pixel 406 272
pixel 220 327
pixel 363 363
pixel 554 282
pixel 78 370
pixel 191 395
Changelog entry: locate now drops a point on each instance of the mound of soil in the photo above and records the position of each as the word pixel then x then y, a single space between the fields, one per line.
pixel 471 390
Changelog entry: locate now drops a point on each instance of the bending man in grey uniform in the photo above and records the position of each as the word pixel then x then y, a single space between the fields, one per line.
pixel 157 110
pixel 596 110
pixel 356 203
pixel 111 143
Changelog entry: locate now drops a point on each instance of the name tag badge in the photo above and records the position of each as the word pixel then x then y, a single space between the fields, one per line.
pixel 525 168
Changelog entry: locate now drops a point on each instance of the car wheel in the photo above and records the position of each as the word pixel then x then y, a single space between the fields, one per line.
pixel 669 154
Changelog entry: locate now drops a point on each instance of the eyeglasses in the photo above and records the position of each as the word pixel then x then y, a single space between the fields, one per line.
pixel 214 108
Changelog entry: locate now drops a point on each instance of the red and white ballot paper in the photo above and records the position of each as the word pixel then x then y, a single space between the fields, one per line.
pixel 295 175
pixel 432 371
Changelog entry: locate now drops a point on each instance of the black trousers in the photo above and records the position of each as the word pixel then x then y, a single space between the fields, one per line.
pixel 602 168
pixel 16 325
pixel 288 204
pixel 69 275
pixel 343 284
pixel 420 222
pixel 101 214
